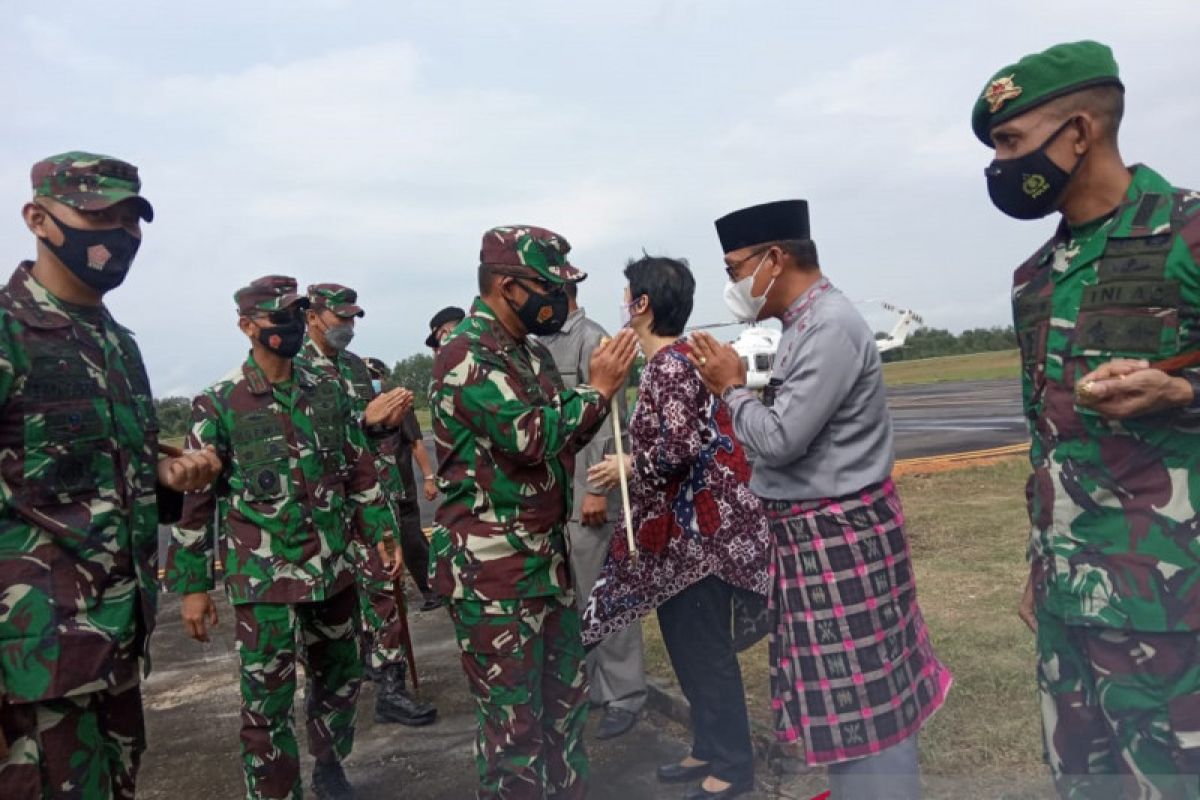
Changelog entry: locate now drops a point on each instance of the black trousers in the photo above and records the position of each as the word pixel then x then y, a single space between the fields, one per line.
pixel 697 629
pixel 413 544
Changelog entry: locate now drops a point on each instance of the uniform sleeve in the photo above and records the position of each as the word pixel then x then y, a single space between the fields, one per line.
pixel 593 452
pixel 481 397
pixel 372 517
pixel 7 370
pixel 1189 417
pixel 190 554
pixel 820 374
pixel 678 398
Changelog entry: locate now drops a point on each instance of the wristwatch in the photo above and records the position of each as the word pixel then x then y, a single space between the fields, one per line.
pixel 729 390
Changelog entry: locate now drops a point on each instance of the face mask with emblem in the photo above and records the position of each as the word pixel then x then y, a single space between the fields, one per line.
pixel 99 258
pixel 286 334
pixel 1030 186
pixel 541 315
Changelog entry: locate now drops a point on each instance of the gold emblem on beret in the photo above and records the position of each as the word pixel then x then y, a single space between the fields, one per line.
pixel 1000 91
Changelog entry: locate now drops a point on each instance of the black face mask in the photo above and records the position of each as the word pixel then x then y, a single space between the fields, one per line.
pixel 1030 186
pixel 283 340
pixel 541 315
pixel 101 259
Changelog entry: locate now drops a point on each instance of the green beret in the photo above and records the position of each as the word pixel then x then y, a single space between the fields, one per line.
pixel 1039 78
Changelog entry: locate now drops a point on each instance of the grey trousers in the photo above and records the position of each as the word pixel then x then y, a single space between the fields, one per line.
pixel 891 774
pixel 615 669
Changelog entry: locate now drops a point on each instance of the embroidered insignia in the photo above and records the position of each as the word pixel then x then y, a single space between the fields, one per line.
pixel 97 256
pixel 1000 91
pixel 1035 185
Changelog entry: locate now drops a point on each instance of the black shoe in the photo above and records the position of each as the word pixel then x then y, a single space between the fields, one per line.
pixel 395 704
pixel 371 674
pixel 734 790
pixel 616 721
pixel 678 773
pixel 329 782
pixel 431 602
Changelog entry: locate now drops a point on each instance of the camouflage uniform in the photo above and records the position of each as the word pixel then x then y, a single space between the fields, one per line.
pixel 298 485
pixel 506 434
pixel 382 626
pixel 78 454
pixel 1114 504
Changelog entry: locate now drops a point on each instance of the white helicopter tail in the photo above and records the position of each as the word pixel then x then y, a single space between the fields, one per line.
pixel 908 322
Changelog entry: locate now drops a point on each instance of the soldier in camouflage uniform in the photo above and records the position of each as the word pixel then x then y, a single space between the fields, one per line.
pixel 506 433
pixel 79 476
pixel 331 315
pixel 396 456
pixel 1114 588
pixel 298 485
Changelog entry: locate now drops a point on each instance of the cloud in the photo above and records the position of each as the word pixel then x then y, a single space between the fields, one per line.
pixel 372 143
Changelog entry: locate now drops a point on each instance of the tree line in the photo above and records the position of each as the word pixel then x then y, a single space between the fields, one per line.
pixel 933 342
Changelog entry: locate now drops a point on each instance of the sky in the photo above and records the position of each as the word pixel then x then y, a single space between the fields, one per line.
pixel 372 143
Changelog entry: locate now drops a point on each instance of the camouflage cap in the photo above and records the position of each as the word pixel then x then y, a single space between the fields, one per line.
pixel 267 294
pixel 341 300
pixel 376 367
pixel 1039 78
pixel 88 182
pixel 543 251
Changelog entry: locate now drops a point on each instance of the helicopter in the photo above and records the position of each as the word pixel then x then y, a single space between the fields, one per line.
pixel 758 344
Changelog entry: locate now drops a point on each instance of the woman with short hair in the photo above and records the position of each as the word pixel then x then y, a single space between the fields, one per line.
pixel 701 535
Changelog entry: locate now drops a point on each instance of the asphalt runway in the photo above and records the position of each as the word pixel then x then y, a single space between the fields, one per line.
pixel 942 418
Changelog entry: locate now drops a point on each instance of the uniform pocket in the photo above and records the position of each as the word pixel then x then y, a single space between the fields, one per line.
pixel 68 453
pixel 1133 332
pixel 260 450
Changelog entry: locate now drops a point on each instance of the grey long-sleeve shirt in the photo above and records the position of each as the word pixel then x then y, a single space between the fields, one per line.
pixel 827 431
pixel 572 351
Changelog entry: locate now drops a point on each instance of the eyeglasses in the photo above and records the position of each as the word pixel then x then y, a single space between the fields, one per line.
pixel 732 270
pixel 547 286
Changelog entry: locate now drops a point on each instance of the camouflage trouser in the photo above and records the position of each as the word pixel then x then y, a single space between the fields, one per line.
pixel 85 747
pixel 1120 710
pixel 382 628
pixel 267 636
pixel 524 662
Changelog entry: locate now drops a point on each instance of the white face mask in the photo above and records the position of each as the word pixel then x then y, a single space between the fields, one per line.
pixel 743 305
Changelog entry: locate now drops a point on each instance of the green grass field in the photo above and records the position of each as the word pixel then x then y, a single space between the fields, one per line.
pixel 973 367
pixel 969 556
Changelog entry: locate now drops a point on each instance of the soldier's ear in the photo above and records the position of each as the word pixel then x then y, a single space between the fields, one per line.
pixel 1086 127
pixel 36 219
pixel 246 326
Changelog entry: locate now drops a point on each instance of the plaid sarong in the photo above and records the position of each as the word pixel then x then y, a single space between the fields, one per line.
pixel 852 668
